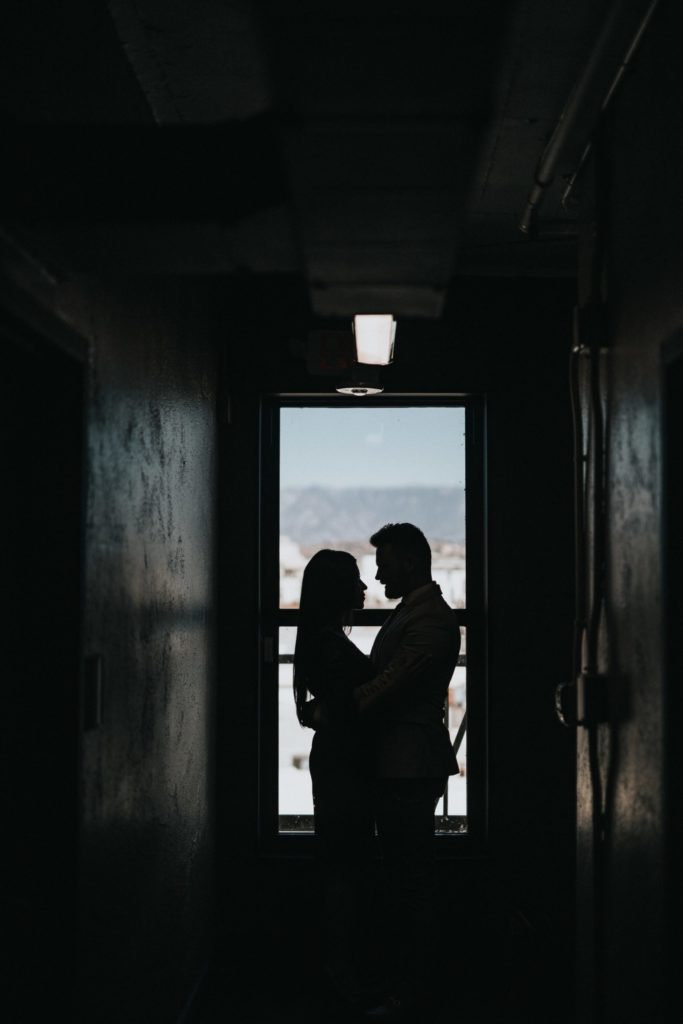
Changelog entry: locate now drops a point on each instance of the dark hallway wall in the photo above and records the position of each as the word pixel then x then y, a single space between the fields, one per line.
pixel 146 879
pixel 628 770
pixel 146 791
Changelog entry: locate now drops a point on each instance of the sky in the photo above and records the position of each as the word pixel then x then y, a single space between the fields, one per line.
pixel 372 446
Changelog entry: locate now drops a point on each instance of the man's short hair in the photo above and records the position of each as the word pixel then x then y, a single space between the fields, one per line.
pixel 407 539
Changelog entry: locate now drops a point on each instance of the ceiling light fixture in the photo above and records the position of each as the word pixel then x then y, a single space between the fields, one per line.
pixel 374 336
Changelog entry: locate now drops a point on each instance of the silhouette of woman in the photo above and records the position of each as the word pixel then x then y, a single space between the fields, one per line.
pixel 327 666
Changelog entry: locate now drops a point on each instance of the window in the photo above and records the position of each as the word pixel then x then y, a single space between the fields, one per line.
pixel 333 473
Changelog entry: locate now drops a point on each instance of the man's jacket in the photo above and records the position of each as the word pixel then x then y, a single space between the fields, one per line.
pixel 414 656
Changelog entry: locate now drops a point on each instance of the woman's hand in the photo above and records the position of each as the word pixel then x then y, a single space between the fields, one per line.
pixel 315 714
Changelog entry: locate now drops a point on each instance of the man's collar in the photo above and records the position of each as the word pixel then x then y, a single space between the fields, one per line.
pixel 420 594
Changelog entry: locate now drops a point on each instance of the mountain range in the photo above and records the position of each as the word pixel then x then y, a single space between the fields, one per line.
pixel 312 515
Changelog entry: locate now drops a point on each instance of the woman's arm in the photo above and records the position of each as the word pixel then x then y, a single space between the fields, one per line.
pixel 340 667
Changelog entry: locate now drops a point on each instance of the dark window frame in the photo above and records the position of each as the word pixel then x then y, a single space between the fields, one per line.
pixel 472 617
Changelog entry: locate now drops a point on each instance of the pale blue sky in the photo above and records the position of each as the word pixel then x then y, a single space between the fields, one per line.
pixel 372 446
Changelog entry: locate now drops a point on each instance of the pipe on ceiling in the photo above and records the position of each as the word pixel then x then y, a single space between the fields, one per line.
pixel 590 95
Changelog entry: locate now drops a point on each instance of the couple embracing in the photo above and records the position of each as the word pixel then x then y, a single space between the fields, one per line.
pixel 380 760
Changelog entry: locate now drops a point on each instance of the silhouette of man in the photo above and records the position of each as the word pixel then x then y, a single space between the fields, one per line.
pixel 414 656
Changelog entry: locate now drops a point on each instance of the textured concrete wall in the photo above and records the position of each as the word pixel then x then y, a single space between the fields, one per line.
pixel 146 870
pixel 645 309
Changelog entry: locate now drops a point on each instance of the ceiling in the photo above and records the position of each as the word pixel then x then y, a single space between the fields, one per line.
pixel 377 150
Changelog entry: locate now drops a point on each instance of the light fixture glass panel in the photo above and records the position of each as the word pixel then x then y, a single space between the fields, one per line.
pixel 375 334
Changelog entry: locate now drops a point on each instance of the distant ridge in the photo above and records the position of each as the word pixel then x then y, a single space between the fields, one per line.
pixel 311 515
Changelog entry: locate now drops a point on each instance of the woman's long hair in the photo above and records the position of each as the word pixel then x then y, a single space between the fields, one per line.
pixel 328 591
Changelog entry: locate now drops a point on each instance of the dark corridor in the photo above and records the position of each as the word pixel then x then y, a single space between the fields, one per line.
pixel 197 200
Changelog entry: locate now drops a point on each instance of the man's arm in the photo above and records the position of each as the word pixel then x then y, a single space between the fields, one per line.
pixel 403 673
pixel 425 648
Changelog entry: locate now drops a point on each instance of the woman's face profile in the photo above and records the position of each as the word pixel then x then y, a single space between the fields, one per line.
pixel 359 592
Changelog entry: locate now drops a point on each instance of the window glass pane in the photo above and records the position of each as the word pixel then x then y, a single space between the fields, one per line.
pixel 344 472
pixel 456 798
pixel 294 741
